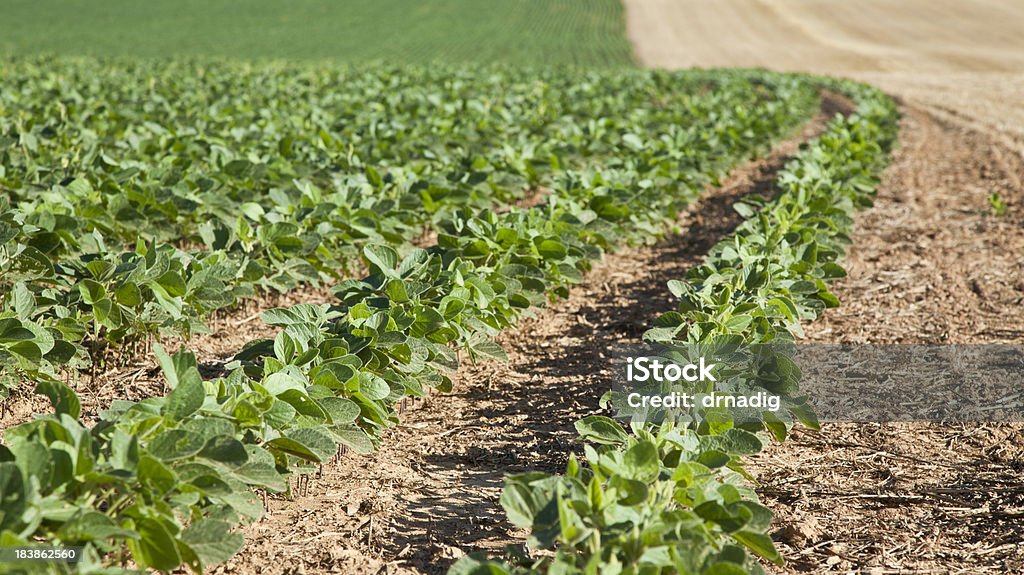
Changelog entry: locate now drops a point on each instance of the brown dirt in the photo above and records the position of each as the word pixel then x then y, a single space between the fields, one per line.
pixel 930 263
pixel 430 494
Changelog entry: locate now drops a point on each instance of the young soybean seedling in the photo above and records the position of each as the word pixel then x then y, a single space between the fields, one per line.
pixel 997 204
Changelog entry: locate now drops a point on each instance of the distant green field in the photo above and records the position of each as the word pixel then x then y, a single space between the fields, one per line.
pixel 586 32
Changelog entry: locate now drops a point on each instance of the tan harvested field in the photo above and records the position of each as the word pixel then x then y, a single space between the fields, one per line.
pixel 929 264
pixel 829 35
pixel 962 59
pixel 992 103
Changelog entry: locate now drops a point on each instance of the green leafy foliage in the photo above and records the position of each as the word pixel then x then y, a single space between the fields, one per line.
pixel 523 32
pixel 116 227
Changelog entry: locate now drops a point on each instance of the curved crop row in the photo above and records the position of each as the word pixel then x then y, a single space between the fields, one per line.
pixel 167 477
pixel 672 497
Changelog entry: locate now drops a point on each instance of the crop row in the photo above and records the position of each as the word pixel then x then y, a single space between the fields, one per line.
pixel 139 199
pixel 162 482
pixel 670 495
pixel 539 33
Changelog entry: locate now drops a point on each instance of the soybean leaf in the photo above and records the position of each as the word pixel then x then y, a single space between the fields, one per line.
pixel 601 429
pixel 155 548
pixel 759 543
pixel 383 259
pixel 62 398
pixel 212 541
